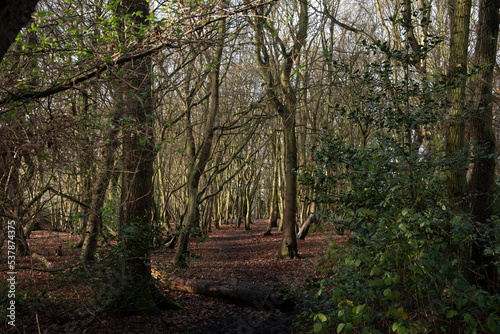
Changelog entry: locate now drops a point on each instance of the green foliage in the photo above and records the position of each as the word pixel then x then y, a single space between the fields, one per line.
pixel 120 276
pixel 401 269
pixel 398 271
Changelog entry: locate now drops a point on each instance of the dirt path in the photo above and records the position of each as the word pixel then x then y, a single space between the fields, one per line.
pixel 248 255
pixel 58 306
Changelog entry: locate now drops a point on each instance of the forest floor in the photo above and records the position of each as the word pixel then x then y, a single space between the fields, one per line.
pixel 55 302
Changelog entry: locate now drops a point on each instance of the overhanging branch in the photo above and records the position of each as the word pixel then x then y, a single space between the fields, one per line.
pixel 72 82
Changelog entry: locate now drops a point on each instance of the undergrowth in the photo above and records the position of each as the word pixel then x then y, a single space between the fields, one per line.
pixel 405 267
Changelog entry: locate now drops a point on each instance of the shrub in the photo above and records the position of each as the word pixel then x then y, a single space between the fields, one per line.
pixel 402 268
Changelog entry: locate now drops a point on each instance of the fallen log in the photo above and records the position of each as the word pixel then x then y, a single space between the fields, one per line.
pixel 263 297
pixel 42 259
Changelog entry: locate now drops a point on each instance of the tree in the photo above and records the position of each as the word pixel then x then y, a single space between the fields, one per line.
pixel 481 176
pixel 198 160
pixel 134 291
pixel 14 15
pixel 99 188
pixel 459 11
pixel 273 203
pixel 282 96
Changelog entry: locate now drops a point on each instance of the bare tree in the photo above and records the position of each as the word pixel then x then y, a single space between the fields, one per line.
pixel 282 96
pixel 199 159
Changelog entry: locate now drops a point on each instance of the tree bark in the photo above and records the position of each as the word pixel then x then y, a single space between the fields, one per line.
pixel 14 15
pixel 459 11
pixel 288 247
pixel 311 220
pixel 133 292
pixel 228 207
pixel 246 196
pixel 98 195
pixel 482 174
pixel 236 291
pixel 274 209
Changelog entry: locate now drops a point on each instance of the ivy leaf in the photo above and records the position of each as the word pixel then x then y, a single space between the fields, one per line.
pixel 450 314
pixel 490 323
pixel 375 271
pixel 318 327
pixel 321 317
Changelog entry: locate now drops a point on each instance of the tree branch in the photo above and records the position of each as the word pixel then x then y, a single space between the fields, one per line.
pixel 72 82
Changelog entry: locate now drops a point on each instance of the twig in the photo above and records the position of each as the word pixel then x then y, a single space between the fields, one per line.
pixel 38 323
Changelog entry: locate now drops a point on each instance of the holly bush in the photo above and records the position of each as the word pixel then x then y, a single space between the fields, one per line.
pixel 402 267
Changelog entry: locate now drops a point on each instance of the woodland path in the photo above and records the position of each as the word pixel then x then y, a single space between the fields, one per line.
pixel 58 305
pixel 248 255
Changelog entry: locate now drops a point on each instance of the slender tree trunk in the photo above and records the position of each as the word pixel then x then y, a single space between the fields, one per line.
pixel 288 247
pixel 86 178
pixel 273 205
pixel 304 229
pixel 228 207
pixel 247 199
pixel 22 247
pixel 198 167
pixel 14 201
pixel 281 188
pixel 284 102
pixel 98 195
pixel 242 204
pixel 218 204
pixel 236 205
pixel 455 127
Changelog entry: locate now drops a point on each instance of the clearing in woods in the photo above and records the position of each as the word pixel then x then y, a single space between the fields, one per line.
pixel 52 303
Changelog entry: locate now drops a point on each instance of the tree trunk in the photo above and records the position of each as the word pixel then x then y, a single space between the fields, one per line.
pixel 455 126
pixel 98 195
pixel 189 222
pixel 86 179
pixel 13 202
pixel 242 204
pixel 274 209
pixel 311 220
pixel 228 206
pixel 22 248
pixel 248 205
pixel 288 247
pixel 218 209
pixel 133 290
pixel 14 15
pixel 283 99
pixel 281 188
pixel 235 291
pixel 197 167
pixel 482 174
pixel 246 196
pixel 236 206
